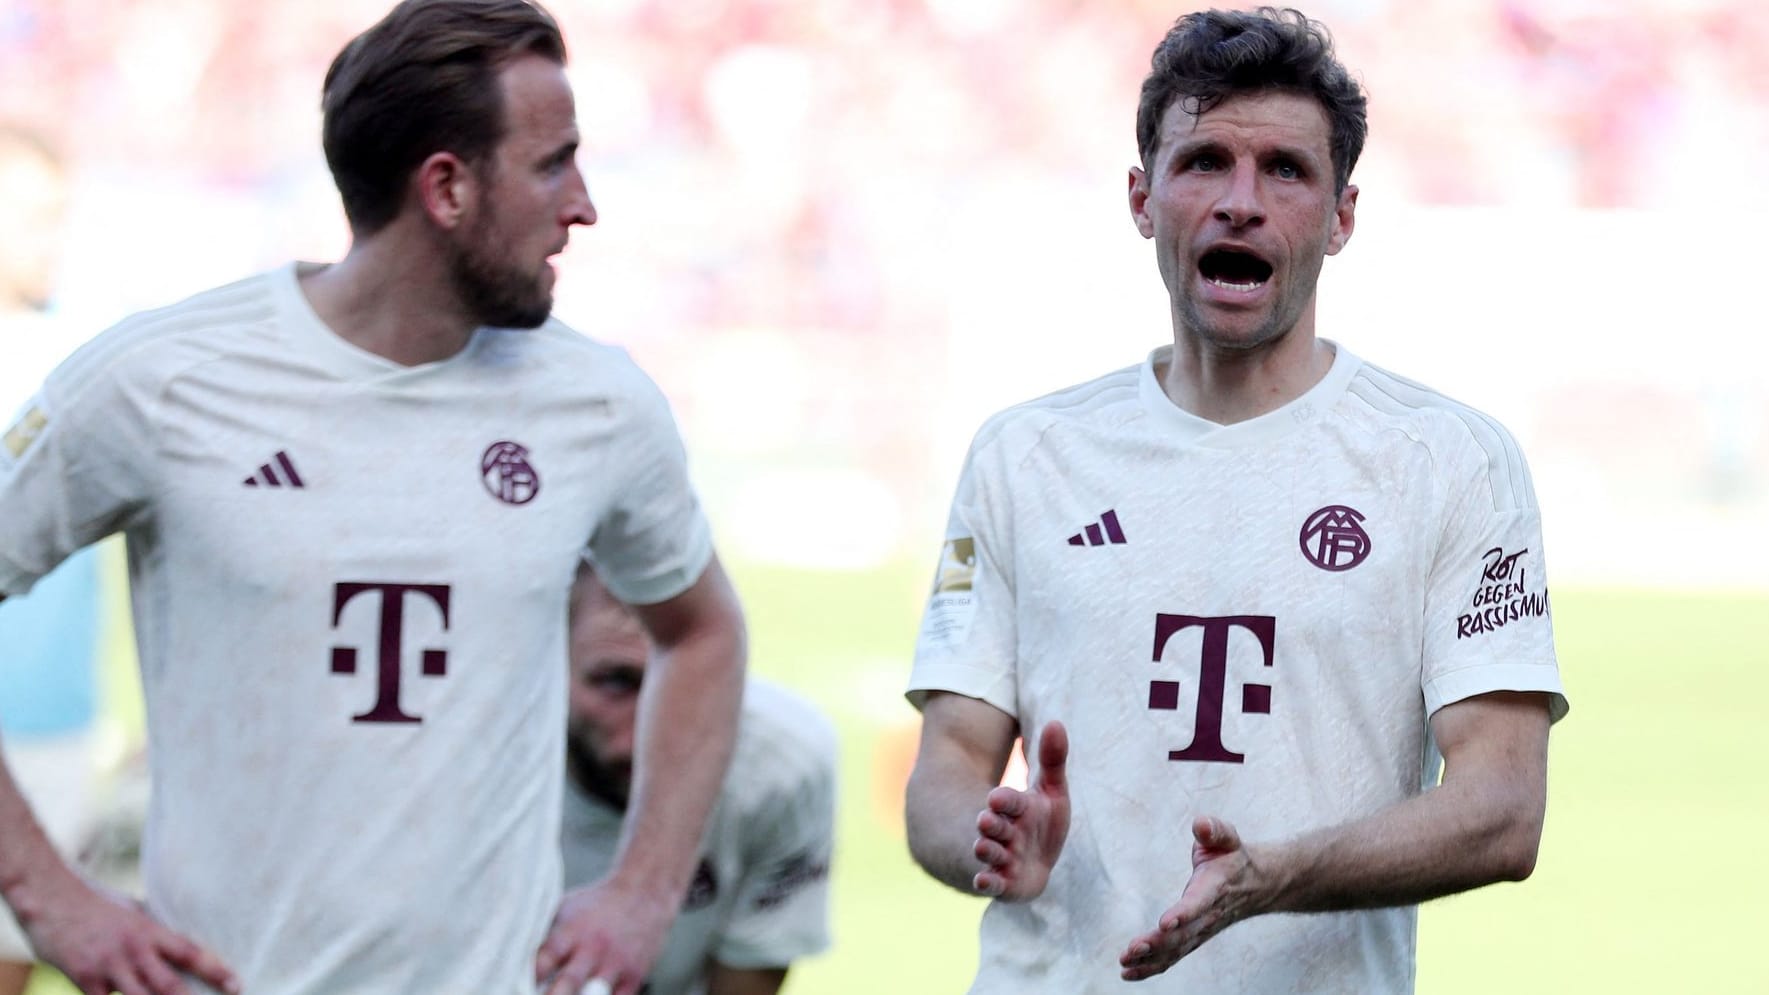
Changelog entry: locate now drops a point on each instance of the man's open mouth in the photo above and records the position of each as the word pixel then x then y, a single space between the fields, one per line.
pixel 1234 269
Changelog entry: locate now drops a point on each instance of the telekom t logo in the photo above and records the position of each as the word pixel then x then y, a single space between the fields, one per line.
pixel 1213 680
pixel 390 647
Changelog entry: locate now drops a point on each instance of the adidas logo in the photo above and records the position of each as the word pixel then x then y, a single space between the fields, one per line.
pixel 1106 530
pixel 268 476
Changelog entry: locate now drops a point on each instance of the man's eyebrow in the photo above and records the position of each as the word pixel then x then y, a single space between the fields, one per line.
pixel 564 153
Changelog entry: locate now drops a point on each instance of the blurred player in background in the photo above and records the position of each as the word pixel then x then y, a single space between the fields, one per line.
pixel 48 640
pixel 1256 583
pixel 760 896
pixel 355 496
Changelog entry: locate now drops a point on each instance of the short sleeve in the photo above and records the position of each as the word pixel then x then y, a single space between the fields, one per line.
pixel 76 464
pixel 655 542
pixel 1488 625
pixel 967 639
pixel 782 907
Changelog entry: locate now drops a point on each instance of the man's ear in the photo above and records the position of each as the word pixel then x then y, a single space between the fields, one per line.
pixel 1344 220
pixel 1139 201
pixel 447 188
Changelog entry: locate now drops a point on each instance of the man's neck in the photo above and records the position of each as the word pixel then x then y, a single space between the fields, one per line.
pixel 1226 386
pixel 392 300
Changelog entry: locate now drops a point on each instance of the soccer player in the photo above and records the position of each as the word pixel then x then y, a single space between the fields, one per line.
pixel 760 896
pixel 48 641
pixel 355 496
pixel 1261 588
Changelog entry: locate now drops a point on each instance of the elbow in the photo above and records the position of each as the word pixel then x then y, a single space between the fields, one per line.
pixel 1517 862
pixel 1516 846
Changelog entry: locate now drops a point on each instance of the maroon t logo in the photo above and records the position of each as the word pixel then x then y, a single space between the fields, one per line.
pixel 434 662
pixel 1213 680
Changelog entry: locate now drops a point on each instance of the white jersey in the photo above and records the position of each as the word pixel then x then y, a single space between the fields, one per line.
pixel 350 581
pixel 760 896
pixel 1252 621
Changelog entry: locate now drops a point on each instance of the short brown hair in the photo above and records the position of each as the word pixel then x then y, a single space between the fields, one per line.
pixel 421 81
pixel 1212 55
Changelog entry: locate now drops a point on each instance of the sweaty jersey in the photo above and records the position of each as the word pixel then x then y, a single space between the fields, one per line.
pixel 349 581
pixel 1251 621
pixel 760 895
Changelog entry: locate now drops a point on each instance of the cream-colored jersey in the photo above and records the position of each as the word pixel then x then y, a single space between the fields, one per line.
pixel 1250 621
pixel 350 581
pixel 760 895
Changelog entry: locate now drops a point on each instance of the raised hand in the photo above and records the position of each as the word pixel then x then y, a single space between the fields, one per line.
pixel 1215 898
pixel 105 943
pixel 1022 832
pixel 605 933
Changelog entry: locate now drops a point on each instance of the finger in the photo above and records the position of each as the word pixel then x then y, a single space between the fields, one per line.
pixel 994 827
pixel 127 981
pixel 988 884
pixel 574 976
pixel 1053 757
pixel 552 953
pixel 1215 834
pixel 186 955
pixel 157 977
pixel 1007 802
pixel 991 853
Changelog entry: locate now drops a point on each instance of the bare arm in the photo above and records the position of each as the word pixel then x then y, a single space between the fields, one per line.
pixel 1483 824
pixel 99 941
pixel 722 980
pixel 965 744
pixel 687 724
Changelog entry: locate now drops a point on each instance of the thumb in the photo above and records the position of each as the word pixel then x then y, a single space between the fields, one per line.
pixel 1214 834
pixel 1053 757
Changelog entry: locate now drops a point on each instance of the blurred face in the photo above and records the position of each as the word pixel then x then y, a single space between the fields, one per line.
pixel 1241 207
pixel 608 654
pixel 33 199
pixel 533 195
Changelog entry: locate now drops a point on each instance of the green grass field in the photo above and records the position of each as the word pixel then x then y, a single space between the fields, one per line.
pixel 1652 868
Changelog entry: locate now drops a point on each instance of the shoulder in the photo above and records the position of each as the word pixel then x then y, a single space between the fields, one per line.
pixel 1106 402
pixel 786 747
pixel 570 362
pixel 154 345
pixel 1459 437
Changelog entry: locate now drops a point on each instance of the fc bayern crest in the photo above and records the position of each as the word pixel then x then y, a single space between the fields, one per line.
pixel 1333 538
pixel 507 474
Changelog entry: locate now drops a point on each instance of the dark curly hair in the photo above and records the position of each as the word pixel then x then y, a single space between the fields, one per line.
pixel 1212 55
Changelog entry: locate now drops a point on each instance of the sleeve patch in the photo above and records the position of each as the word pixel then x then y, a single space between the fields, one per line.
pixel 25 431
pixel 1501 595
pixel 953 604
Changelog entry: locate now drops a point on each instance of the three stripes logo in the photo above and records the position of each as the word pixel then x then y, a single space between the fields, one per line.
pixel 279 472
pixel 1106 530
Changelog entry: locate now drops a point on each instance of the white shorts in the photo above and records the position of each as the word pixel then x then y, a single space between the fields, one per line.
pixel 56 777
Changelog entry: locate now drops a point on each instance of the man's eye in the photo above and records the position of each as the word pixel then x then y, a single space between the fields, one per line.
pixel 615 684
pixel 1288 171
pixel 1205 164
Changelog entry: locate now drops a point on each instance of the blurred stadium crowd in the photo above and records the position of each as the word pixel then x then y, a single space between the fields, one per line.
pixel 805 203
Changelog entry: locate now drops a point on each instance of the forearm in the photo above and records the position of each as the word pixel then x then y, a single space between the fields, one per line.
pixel 940 808
pixel 686 727
pixel 1450 839
pixel 30 867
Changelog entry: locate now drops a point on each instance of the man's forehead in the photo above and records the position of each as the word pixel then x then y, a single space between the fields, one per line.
pixel 1274 116
pixel 537 98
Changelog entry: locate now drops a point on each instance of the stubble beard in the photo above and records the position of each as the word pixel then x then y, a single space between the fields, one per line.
pixel 610 783
pixel 494 291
